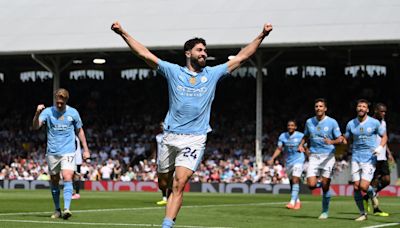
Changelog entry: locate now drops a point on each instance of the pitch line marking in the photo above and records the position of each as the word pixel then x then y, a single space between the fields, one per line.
pixel 143 208
pixel 102 224
pixel 383 225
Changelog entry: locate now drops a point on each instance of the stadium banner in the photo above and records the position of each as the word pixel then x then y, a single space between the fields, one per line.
pixel 115 186
pixel 244 188
pixel 24 184
pixel 348 189
pixel 150 186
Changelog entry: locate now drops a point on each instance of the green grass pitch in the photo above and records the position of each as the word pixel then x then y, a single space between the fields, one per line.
pixel 19 208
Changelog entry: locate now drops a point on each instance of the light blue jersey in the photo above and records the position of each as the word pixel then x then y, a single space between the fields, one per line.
pixel 290 143
pixel 190 97
pixel 317 131
pixel 61 128
pixel 364 136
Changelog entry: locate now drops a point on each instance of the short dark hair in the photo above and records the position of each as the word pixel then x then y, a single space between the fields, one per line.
pixel 363 101
pixel 192 42
pixel 323 100
pixel 379 105
pixel 293 121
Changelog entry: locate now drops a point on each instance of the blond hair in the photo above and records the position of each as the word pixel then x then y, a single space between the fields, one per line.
pixel 62 93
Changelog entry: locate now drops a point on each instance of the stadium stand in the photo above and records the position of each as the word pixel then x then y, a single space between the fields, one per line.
pixel 121 135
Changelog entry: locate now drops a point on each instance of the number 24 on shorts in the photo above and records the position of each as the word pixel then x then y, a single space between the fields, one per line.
pixel 187 152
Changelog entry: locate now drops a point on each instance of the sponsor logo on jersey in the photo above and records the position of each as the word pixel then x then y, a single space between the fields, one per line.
pixel 60 127
pixel 191 92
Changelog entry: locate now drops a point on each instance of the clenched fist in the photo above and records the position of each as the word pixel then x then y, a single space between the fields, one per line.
pixel 267 29
pixel 116 27
pixel 40 108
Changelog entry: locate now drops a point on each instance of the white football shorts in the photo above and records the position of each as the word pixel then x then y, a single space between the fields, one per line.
pixel 363 171
pixel 181 150
pixel 294 170
pixel 321 165
pixel 57 163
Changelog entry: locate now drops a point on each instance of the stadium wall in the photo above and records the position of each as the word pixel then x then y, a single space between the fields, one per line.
pixel 238 188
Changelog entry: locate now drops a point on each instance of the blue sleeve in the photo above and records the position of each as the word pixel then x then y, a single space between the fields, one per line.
pixel 306 131
pixel 280 141
pixel 220 70
pixel 336 129
pixel 167 69
pixel 43 116
pixel 77 121
pixel 348 130
pixel 301 136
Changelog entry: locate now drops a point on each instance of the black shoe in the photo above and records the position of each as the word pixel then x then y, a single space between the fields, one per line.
pixel 67 214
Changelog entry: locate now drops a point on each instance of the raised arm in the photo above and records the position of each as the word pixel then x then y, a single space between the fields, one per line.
pixel 249 50
pixel 137 48
pixel 36 123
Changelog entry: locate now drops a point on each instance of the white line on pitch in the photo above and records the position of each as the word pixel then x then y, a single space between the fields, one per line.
pixel 383 225
pixel 144 208
pixel 102 224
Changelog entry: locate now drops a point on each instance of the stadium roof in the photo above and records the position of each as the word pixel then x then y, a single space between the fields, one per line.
pixel 48 26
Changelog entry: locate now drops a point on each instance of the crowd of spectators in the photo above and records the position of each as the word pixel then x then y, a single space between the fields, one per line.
pixel 121 120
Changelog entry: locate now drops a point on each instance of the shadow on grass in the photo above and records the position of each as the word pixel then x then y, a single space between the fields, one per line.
pixel 316 217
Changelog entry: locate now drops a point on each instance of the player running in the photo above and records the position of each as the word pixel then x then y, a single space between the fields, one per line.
pixel 382 173
pixel 191 92
pixel 362 131
pixel 323 133
pixel 289 142
pixel 162 182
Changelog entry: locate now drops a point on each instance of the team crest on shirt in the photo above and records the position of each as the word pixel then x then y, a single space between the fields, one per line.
pixel 192 80
pixel 326 128
pixel 203 79
pixel 369 130
pixel 69 118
